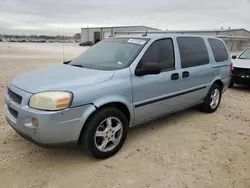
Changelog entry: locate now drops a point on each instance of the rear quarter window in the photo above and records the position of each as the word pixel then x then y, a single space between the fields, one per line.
pixel 193 51
pixel 219 50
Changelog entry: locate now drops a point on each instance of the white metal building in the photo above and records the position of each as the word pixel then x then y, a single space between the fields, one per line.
pixel 236 39
pixel 95 34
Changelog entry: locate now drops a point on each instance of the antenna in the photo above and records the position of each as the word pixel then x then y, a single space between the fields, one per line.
pixel 145 34
pixel 63 39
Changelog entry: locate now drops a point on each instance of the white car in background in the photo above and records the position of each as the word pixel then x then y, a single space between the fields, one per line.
pixel 241 69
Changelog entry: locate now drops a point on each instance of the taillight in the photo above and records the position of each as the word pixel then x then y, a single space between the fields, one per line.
pixel 231 68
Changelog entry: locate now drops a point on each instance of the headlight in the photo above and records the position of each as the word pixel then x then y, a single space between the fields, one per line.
pixel 51 100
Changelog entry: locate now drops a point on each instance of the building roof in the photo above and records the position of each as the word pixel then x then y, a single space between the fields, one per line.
pixel 132 26
pixel 233 37
pixel 210 30
pixel 219 33
pixel 193 31
pixel 156 34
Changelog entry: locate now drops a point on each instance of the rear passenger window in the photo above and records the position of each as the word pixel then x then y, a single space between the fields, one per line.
pixel 219 50
pixel 193 51
pixel 162 52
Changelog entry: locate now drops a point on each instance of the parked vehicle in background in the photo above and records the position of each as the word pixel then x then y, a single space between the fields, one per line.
pixel 116 84
pixel 241 69
pixel 88 43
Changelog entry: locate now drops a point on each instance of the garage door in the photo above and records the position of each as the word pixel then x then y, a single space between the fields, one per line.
pixel 107 34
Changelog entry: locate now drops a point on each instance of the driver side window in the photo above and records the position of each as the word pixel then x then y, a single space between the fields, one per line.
pixel 161 52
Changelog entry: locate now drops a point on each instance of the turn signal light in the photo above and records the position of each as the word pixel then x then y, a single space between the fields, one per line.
pixel 35 122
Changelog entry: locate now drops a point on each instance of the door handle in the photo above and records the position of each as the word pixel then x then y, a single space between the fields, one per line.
pixel 175 76
pixel 185 74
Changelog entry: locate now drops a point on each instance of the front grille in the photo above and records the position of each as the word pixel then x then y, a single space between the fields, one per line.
pixel 13 112
pixel 15 97
pixel 242 71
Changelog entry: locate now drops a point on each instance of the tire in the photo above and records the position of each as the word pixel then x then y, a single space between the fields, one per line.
pixel 206 106
pixel 114 139
pixel 231 84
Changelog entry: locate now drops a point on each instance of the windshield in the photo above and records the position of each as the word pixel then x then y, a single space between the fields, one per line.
pixel 110 54
pixel 245 54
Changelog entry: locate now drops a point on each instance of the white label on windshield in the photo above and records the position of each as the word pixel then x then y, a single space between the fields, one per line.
pixel 137 41
pixel 120 63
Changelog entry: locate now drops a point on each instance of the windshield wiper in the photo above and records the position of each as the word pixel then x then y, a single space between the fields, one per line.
pixel 76 65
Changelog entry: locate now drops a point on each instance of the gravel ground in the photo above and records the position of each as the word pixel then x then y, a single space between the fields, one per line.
pixel 187 149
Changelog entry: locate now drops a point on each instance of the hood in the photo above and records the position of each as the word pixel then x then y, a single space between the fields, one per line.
pixel 241 63
pixel 60 77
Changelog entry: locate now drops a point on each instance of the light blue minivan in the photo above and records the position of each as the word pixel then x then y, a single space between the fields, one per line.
pixel 116 84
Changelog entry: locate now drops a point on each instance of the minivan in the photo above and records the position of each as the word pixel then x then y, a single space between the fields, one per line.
pixel 117 83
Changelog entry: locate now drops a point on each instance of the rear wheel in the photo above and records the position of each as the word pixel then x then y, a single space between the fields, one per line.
pixel 105 133
pixel 212 100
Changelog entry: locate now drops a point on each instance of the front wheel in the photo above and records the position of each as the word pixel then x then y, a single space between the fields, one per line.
pixel 212 100
pixel 105 133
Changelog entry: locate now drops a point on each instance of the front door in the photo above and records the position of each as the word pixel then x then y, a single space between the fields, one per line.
pixel 153 94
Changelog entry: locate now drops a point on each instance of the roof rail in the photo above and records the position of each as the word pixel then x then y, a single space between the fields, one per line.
pixel 145 34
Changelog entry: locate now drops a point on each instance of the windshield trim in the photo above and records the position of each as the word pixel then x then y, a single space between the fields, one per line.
pixel 243 53
pixel 122 67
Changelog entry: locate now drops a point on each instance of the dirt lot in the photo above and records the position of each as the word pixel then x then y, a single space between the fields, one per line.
pixel 188 149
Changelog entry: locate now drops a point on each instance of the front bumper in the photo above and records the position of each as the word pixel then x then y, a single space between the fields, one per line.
pixel 241 79
pixel 55 127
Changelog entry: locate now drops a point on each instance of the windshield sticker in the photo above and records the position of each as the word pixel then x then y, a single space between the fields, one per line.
pixel 120 63
pixel 136 41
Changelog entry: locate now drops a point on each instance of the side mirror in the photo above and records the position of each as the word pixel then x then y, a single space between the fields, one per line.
pixel 148 68
pixel 66 62
pixel 234 56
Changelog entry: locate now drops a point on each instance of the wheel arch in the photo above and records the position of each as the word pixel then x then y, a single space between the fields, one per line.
pixel 112 101
pixel 118 102
pixel 218 81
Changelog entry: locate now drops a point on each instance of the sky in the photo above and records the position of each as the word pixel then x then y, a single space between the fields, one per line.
pixel 57 17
